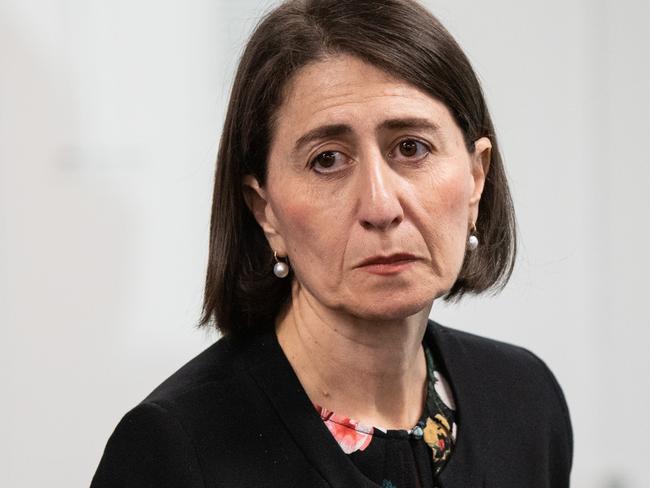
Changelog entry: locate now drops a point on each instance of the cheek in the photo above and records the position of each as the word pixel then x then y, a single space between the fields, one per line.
pixel 311 225
pixel 297 224
pixel 447 193
pixel 445 197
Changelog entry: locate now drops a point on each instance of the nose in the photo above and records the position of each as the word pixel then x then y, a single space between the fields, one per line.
pixel 379 202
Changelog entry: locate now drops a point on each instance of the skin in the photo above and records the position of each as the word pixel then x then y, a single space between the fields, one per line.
pixel 352 336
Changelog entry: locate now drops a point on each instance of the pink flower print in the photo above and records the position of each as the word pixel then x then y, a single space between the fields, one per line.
pixel 351 435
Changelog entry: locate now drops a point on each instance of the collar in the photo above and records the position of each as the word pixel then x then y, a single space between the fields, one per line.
pixel 271 371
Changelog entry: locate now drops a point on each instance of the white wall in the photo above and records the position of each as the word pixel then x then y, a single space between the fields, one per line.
pixel 109 122
pixel 567 84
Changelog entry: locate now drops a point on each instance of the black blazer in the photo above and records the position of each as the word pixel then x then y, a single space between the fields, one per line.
pixel 237 416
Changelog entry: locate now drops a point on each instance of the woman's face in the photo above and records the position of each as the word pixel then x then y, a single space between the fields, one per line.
pixel 364 166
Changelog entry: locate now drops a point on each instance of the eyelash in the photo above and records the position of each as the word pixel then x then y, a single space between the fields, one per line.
pixel 426 147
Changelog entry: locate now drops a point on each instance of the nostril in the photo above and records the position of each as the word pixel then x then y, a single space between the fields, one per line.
pixel 382 224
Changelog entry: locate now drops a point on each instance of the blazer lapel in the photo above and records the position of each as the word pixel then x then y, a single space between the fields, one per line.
pixel 466 465
pixel 273 373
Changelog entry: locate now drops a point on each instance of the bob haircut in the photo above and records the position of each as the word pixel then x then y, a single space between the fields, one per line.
pixel 401 37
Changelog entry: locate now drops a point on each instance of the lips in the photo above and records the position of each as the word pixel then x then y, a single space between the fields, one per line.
pixel 390 259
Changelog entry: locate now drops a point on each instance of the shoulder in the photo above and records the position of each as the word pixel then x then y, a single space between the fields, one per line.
pixel 498 365
pixel 162 440
pixel 211 390
pixel 214 368
pixel 487 358
pixel 509 395
pixel 138 452
pixel 485 346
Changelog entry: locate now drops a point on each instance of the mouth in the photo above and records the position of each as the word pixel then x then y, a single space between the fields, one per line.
pixel 390 264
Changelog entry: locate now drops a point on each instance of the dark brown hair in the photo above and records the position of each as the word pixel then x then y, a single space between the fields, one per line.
pixel 398 36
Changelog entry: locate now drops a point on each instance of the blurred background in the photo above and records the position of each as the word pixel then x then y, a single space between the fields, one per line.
pixel 110 114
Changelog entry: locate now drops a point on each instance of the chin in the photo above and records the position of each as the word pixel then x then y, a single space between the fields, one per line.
pixel 389 309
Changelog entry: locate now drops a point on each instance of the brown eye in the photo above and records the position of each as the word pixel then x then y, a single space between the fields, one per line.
pixel 408 148
pixel 328 162
pixel 326 159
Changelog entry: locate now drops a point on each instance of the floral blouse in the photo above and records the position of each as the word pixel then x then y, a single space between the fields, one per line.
pixel 395 458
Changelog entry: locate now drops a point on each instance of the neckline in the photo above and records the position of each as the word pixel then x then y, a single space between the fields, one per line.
pixel 431 397
pixel 264 361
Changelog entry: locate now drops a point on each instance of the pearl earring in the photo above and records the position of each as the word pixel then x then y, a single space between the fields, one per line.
pixel 472 241
pixel 280 269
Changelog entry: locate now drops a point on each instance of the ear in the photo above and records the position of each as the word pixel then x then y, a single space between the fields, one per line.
pixel 480 161
pixel 257 201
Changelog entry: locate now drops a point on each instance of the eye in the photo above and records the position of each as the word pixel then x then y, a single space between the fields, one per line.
pixel 410 149
pixel 328 162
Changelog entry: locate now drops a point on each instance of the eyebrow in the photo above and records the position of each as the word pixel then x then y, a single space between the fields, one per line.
pixel 337 130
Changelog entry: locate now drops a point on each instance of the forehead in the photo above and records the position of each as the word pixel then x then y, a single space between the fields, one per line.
pixel 345 87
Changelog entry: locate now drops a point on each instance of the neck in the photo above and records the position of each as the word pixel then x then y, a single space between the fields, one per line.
pixel 373 371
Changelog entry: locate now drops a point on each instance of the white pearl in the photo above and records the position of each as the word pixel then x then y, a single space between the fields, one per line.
pixel 472 242
pixel 280 269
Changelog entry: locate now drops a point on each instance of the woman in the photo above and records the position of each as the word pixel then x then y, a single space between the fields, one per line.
pixel 358 180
